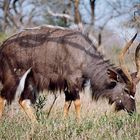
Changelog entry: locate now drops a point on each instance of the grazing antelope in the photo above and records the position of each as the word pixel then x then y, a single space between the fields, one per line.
pixel 55 58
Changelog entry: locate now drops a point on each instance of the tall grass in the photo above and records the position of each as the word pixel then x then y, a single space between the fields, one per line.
pixel 94 124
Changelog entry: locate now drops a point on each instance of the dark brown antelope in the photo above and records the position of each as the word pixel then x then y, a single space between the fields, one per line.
pixel 62 59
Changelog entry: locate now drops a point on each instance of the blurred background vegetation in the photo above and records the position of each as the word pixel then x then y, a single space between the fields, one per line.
pixel 102 20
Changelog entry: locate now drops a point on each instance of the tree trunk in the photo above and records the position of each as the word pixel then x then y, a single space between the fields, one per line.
pixel 77 17
pixel 92 6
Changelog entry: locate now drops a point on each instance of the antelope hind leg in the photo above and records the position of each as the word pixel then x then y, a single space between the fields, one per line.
pixel 2 105
pixel 26 106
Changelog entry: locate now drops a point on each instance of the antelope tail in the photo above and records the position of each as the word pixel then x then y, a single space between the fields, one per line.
pixel 21 84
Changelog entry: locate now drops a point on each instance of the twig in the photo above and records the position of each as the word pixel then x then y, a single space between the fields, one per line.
pixel 59 15
pixel 55 97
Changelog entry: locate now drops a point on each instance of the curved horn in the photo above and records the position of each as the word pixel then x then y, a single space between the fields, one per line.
pixel 121 59
pixel 137 59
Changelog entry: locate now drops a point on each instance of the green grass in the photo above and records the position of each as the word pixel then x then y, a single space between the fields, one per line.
pixel 55 128
pixel 94 124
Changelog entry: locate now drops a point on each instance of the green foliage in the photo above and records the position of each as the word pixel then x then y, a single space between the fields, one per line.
pixel 40 103
pixel 61 22
pixel 114 127
pixel 55 21
pixel 3 36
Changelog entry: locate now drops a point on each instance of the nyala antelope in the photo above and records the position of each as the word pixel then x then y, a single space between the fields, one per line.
pixel 53 58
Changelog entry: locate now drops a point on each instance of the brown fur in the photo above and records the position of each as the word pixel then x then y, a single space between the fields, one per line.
pixel 61 59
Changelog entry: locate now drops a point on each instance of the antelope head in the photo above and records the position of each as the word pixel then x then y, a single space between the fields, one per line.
pixel 127 101
pixel 124 87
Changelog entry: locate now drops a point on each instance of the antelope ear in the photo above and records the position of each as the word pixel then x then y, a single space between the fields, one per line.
pixel 112 75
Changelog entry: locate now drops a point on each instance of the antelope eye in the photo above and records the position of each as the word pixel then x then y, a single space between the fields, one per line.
pixel 126 90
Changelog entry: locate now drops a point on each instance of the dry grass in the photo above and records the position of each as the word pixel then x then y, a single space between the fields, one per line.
pixel 94 124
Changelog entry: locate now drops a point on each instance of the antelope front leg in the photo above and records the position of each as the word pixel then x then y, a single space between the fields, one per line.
pixel 68 101
pixel 26 106
pixel 66 108
pixel 2 104
pixel 75 97
pixel 77 104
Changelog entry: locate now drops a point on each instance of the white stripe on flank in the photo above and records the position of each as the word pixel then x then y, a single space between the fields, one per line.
pixel 21 84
